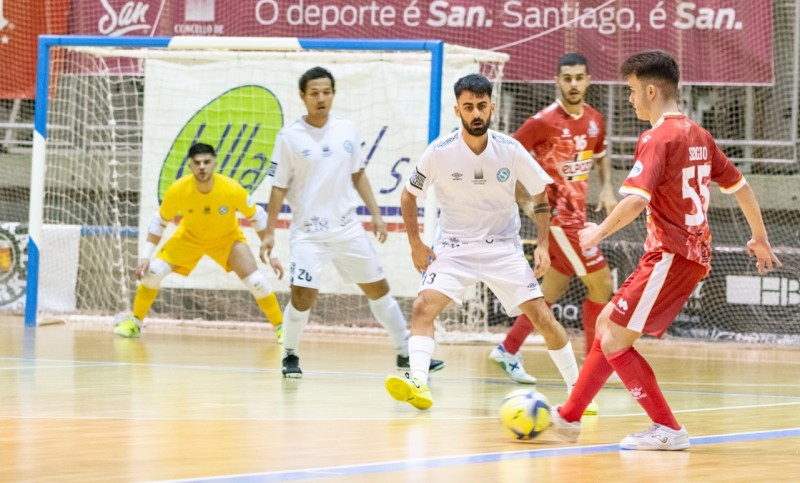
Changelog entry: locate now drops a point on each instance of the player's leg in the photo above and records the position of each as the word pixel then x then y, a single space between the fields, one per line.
pixel 387 311
pixel 146 294
pixel 305 267
pixel 242 261
pixel 445 281
pixel 648 305
pixel 512 281
pixel 507 354
pixel 413 388
pixel 599 288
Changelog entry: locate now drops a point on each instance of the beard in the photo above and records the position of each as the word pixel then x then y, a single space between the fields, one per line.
pixel 565 96
pixel 476 130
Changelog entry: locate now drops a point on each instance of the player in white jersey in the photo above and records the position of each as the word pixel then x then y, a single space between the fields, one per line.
pixel 475 172
pixel 316 164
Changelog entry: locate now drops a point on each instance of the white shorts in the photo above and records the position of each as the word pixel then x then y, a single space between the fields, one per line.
pixel 500 265
pixel 354 258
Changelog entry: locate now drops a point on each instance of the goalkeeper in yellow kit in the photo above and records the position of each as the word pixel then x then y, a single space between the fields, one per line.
pixel 207 202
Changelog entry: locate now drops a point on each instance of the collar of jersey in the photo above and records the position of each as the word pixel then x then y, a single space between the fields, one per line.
pixel 667 115
pixel 573 116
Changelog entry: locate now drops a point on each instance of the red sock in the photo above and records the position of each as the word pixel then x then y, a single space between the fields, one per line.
pixel 590 312
pixel 638 377
pixel 517 334
pixel 593 375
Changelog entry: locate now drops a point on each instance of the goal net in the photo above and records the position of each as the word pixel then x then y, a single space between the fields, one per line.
pixel 740 66
pixel 121 118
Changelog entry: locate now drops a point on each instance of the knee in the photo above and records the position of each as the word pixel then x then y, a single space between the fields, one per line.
pixel 303 298
pixel 422 309
pixel 157 271
pixel 258 285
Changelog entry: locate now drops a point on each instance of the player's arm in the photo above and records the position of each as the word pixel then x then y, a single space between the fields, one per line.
pixel 155 230
pixel 606 200
pixel 758 246
pixel 421 254
pixel 625 212
pixel 276 197
pixel 364 189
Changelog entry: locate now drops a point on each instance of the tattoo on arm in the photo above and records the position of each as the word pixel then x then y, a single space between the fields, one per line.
pixel 541 208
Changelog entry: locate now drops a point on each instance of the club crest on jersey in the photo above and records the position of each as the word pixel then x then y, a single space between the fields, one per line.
pixel 638 167
pixel 348 146
pixel 503 174
pixel 593 130
pixel 223 210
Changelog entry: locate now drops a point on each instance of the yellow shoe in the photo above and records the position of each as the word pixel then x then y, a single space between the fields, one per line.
pixel 127 328
pixel 409 389
pixel 592 409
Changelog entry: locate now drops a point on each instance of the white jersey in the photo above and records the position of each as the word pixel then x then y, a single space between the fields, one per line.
pixel 476 192
pixel 315 165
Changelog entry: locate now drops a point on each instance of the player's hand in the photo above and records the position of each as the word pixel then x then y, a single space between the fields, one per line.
pixel 421 255
pixel 606 200
pixel 590 236
pixel 142 267
pixel 379 228
pixel 541 261
pixel 267 244
pixel 275 263
pixel 765 257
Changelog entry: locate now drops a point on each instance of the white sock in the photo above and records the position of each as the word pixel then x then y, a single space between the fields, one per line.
pixel 387 311
pixel 294 323
pixel 420 351
pixel 564 359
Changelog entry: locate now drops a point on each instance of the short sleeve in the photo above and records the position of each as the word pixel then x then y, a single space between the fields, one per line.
pixel 280 168
pixel 529 173
pixel 421 178
pixel 531 132
pixel 169 206
pixel 602 146
pixel 650 158
pixel 353 146
pixel 244 202
pixel 724 173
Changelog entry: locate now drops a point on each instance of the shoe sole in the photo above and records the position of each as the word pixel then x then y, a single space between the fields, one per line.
pixel 293 375
pixel 430 369
pixel 652 448
pixel 401 391
pixel 127 336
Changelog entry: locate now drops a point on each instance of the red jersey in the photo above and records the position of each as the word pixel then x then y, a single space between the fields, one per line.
pixel 675 163
pixel 565 146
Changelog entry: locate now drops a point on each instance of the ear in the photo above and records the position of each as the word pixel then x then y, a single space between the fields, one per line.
pixel 456 111
pixel 652 91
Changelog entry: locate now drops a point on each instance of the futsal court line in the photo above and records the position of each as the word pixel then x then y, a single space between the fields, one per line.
pixel 472 459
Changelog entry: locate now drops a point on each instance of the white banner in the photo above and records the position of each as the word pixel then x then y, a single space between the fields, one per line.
pixel 238 106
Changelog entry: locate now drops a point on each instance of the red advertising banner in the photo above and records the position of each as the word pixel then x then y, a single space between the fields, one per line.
pixel 20 26
pixel 715 41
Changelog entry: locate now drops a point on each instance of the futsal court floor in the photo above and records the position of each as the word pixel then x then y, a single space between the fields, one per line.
pixel 80 404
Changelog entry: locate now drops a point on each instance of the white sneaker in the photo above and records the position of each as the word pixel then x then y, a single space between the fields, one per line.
pixel 565 430
pixel 657 437
pixel 512 364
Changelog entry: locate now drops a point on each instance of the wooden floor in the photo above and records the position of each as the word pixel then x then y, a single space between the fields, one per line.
pixel 80 404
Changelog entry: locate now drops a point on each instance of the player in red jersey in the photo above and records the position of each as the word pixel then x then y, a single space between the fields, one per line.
pixel 567 138
pixel 674 165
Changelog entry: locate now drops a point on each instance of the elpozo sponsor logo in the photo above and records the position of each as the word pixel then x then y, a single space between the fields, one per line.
pixel 13 264
pixel 241 124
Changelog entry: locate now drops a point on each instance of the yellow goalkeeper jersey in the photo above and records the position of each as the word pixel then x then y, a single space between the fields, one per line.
pixel 207 218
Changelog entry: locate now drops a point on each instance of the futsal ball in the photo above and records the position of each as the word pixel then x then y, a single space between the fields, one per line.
pixel 525 413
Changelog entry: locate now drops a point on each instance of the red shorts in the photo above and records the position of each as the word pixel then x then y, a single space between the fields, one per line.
pixel 566 255
pixel 655 293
